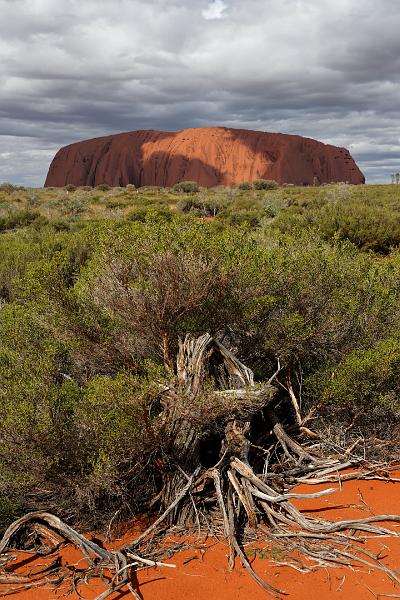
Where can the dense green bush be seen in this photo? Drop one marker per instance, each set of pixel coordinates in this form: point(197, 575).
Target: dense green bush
point(341, 212)
point(245, 185)
point(369, 227)
point(91, 311)
point(189, 258)
point(366, 380)
point(18, 218)
point(187, 187)
point(70, 436)
point(9, 511)
point(202, 205)
point(254, 208)
point(265, 184)
point(74, 205)
point(150, 213)
point(115, 202)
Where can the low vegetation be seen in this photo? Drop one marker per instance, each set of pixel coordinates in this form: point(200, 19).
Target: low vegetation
point(100, 287)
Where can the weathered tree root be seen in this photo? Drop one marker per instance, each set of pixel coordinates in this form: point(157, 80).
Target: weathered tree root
point(120, 565)
point(233, 492)
point(318, 540)
point(260, 502)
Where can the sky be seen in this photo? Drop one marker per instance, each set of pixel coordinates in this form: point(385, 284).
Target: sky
point(76, 69)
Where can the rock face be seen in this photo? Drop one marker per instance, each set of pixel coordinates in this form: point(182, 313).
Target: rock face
point(210, 156)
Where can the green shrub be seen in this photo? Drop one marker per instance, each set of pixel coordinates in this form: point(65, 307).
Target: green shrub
point(10, 509)
point(61, 224)
point(9, 188)
point(150, 213)
point(75, 205)
point(252, 208)
point(338, 213)
point(265, 184)
point(245, 185)
point(18, 218)
point(115, 203)
point(186, 205)
point(236, 218)
point(103, 187)
point(366, 380)
point(70, 187)
point(176, 269)
point(186, 187)
point(370, 228)
point(137, 214)
point(202, 206)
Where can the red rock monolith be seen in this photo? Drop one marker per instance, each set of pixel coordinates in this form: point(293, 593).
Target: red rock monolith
point(210, 156)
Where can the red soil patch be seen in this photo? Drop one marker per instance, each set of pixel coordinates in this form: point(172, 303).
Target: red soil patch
point(204, 575)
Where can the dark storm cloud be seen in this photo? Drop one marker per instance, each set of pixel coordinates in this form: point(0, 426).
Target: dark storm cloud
point(71, 70)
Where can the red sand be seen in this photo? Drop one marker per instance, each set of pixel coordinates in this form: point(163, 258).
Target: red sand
point(204, 575)
point(211, 156)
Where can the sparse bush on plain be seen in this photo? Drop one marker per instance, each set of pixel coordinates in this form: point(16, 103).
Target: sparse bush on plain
point(245, 185)
point(70, 188)
point(115, 202)
point(265, 184)
point(186, 187)
point(9, 188)
point(74, 205)
point(33, 201)
point(151, 189)
point(203, 206)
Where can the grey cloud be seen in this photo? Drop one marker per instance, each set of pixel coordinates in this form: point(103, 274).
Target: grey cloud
point(72, 70)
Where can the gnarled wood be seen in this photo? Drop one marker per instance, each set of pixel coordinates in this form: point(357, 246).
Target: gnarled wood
point(240, 489)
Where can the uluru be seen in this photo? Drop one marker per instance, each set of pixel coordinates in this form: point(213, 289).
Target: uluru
point(210, 156)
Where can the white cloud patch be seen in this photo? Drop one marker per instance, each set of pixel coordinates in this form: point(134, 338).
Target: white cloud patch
point(215, 10)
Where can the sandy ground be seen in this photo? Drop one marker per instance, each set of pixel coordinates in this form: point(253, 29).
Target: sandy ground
point(203, 575)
